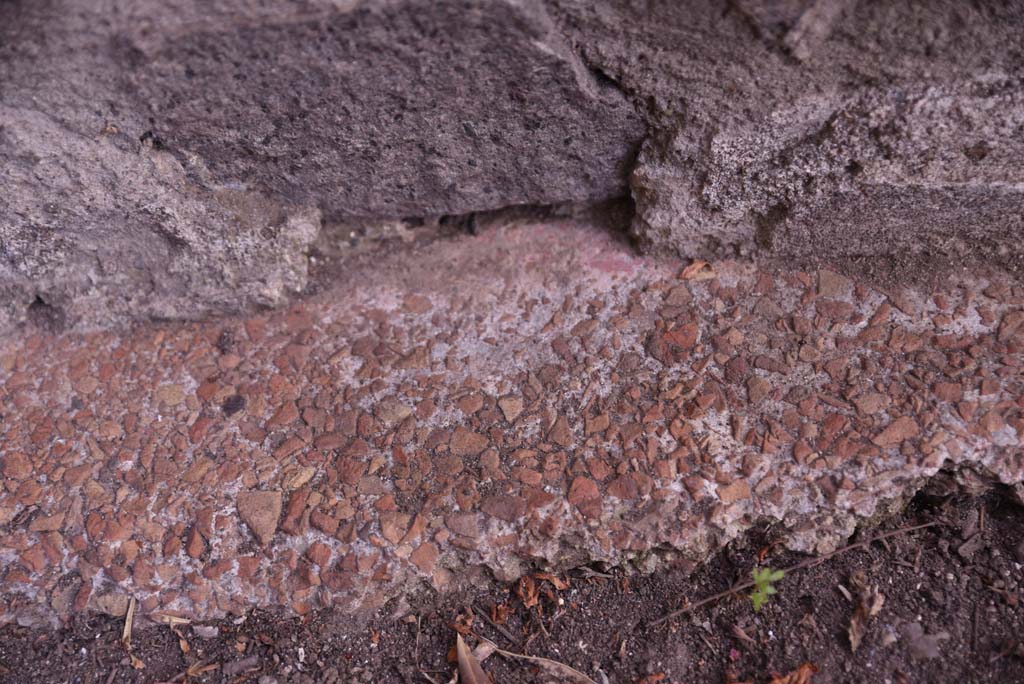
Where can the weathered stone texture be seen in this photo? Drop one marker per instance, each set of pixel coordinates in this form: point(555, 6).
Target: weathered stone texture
point(828, 128)
point(169, 160)
point(176, 159)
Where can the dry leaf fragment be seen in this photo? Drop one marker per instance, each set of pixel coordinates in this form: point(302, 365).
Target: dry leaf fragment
point(869, 604)
point(653, 678)
point(463, 622)
point(470, 671)
point(801, 675)
point(526, 590)
point(499, 613)
point(484, 650)
point(698, 270)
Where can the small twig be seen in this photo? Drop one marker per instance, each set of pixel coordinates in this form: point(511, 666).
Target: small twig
point(529, 640)
point(802, 565)
point(504, 632)
point(540, 621)
point(129, 619)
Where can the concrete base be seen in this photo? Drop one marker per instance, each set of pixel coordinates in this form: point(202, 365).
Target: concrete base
point(534, 396)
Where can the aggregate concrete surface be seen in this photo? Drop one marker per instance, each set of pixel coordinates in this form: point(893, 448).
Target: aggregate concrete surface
point(537, 396)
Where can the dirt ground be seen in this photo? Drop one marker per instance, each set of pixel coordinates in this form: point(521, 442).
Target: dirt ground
point(949, 611)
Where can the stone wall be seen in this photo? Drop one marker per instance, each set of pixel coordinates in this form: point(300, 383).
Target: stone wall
point(176, 159)
point(833, 128)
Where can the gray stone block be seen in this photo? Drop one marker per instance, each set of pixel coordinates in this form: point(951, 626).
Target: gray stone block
point(834, 128)
point(164, 160)
point(174, 159)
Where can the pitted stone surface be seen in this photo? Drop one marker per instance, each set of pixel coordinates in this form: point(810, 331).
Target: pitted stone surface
point(166, 160)
point(523, 397)
point(840, 129)
point(169, 160)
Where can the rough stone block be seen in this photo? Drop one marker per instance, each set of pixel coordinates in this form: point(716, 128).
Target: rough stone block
point(174, 159)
